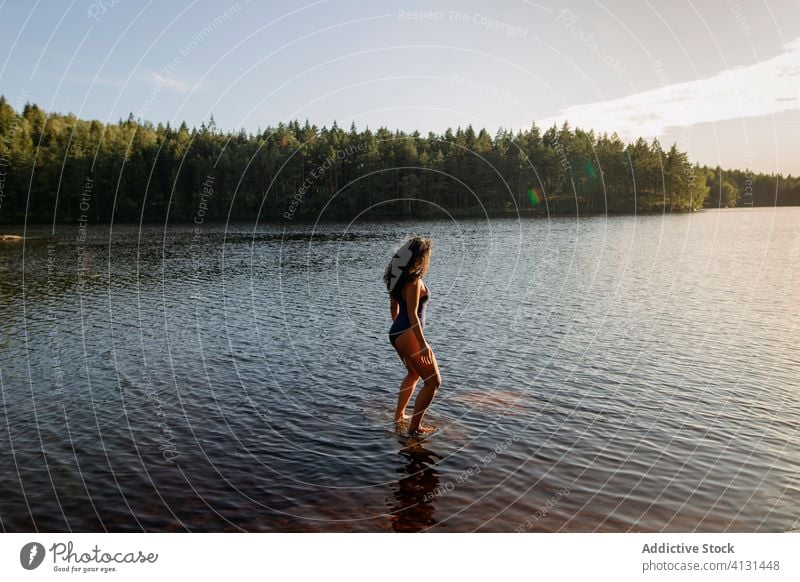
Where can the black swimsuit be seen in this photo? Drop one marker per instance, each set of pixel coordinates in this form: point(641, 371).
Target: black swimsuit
point(402, 324)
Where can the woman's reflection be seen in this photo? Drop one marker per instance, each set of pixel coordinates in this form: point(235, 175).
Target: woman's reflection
point(416, 491)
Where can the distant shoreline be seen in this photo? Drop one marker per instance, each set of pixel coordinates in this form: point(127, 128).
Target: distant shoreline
point(9, 237)
point(297, 171)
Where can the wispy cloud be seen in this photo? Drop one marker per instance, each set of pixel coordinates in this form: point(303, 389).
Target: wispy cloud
point(168, 81)
point(766, 87)
point(109, 82)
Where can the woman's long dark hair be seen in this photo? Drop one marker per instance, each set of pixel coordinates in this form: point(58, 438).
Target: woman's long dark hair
point(410, 262)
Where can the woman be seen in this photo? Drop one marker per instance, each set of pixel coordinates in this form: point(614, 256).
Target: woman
point(408, 299)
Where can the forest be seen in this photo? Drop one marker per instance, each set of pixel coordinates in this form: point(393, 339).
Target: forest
point(56, 168)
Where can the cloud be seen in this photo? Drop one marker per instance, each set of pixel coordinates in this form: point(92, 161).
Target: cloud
point(109, 82)
point(170, 82)
point(764, 88)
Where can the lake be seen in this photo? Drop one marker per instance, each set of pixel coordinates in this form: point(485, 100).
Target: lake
point(599, 374)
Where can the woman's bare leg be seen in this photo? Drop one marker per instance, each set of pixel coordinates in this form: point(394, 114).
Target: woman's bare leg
point(423, 401)
point(409, 349)
point(421, 404)
point(406, 390)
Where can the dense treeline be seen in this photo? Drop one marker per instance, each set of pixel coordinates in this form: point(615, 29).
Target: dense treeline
point(59, 168)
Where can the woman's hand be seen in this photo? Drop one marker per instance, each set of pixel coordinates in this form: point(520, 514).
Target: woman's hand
point(425, 354)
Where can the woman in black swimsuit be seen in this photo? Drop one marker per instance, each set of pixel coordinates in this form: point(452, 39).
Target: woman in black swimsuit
point(408, 300)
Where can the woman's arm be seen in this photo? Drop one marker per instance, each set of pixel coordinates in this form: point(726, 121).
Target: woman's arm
point(394, 308)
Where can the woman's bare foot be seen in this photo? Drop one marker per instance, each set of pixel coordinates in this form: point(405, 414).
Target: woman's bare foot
point(422, 430)
point(399, 419)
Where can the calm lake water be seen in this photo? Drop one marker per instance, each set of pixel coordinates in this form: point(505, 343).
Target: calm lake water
point(600, 374)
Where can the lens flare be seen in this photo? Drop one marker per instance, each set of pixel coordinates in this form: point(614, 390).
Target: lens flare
point(535, 196)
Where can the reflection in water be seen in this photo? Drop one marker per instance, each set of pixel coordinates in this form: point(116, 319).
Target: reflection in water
point(416, 491)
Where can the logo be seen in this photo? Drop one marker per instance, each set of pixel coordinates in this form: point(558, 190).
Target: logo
point(31, 555)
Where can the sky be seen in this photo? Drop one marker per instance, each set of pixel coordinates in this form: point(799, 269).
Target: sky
point(720, 78)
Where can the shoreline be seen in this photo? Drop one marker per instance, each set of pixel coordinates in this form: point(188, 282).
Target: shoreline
point(388, 218)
